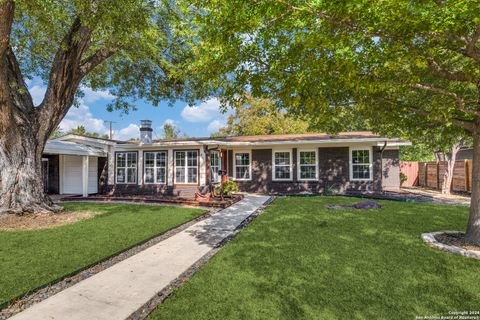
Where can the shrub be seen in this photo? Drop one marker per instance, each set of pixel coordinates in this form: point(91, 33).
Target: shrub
point(229, 187)
point(403, 177)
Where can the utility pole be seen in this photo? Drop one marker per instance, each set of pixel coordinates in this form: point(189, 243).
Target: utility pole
point(110, 125)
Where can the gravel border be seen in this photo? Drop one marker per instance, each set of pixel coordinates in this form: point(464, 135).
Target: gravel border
point(42, 293)
point(430, 239)
point(148, 307)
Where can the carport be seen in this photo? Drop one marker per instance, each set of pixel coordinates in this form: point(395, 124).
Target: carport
point(71, 168)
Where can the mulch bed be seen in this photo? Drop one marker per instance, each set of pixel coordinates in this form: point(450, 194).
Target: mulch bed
point(214, 203)
point(455, 239)
point(13, 222)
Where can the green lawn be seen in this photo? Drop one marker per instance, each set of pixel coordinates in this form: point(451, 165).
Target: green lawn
point(29, 259)
point(299, 260)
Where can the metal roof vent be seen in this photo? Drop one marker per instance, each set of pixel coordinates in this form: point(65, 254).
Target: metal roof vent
point(146, 132)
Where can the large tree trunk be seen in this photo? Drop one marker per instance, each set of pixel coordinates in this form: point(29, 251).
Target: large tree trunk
point(473, 228)
point(21, 185)
point(450, 158)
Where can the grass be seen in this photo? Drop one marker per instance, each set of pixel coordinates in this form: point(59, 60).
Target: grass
point(30, 259)
point(299, 260)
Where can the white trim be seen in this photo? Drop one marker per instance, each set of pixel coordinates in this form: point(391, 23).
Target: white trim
point(316, 164)
point(85, 169)
point(249, 165)
point(155, 167)
point(290, 166)
point(219, 178)
point(350, 162)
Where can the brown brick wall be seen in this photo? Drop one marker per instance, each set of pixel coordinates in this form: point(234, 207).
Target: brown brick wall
point(333, 173)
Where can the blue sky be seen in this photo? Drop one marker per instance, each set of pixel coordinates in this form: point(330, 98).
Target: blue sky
point(198, 121)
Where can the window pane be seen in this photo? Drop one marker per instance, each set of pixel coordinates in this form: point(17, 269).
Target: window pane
point(282, 172)
point(161, 159)
point(161, 175)
point(360, 156)
point(361, 171)
point(149, 175)
point(307, 157)
point(307, 172)
point(192, 175)
point(121, 160)
point(131, 175)
point(180, 175)
point(192, 158)
point(214, 159)
point(282, 158)
point(149, 159)
point(180, 159)
point(242, 172)
point(121, 175)
point(242, 159)
point(131, 160)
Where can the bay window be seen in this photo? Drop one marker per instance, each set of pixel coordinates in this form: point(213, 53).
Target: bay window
point(282, 165)
point(126, 167)
point(241, 165)
point(307, 165)
point(361, 164)
point(186, 167)
point(155, 167)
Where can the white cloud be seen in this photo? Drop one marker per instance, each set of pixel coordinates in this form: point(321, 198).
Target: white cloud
point(215, 125)
point(204, 112)
point(132, 131)
point(92, 96)
point(81, 116)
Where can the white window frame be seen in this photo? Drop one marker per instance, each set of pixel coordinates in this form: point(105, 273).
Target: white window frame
point(219, 178)
point(370, 157)
point(299, 165)
point(274, 166)
point(126, 167)
point(249, 165)
point(186, 167)
point(155, 167)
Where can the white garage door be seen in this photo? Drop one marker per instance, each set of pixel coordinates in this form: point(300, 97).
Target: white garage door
point(72, 175)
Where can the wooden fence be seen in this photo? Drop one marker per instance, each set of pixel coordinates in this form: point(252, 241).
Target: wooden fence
point(430, 175)
point(410, 169)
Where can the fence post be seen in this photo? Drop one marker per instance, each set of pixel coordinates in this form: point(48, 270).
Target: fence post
point(438, 175)
point(467, 175)
point(425, 183)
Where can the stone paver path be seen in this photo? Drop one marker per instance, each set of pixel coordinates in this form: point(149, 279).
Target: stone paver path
point(120, 290)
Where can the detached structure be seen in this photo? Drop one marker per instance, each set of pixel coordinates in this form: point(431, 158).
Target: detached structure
point(282, 164)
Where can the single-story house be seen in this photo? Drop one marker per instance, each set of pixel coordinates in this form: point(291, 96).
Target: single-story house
point(283, 164)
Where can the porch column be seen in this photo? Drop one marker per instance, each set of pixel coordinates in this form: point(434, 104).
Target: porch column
point(85, 176)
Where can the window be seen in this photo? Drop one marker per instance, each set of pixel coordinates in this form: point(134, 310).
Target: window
point(126, 163)
point(215, 165)
point(307, 165)
point(242, 165)
point(155, 167)
point(186, 167)
point(282, 165)
point(361, 164)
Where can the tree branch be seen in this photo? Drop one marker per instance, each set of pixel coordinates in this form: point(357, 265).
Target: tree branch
point(443, 73)
point(65, 77)
point(458, 100)
point(99, 56)
point(471, 47)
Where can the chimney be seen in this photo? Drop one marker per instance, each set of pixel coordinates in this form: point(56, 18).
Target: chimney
point(146, 131)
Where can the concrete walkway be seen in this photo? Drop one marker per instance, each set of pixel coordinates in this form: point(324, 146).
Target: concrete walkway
point(120, 290)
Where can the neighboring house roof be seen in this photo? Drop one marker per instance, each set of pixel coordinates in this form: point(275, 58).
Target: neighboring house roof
point(72, 148)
